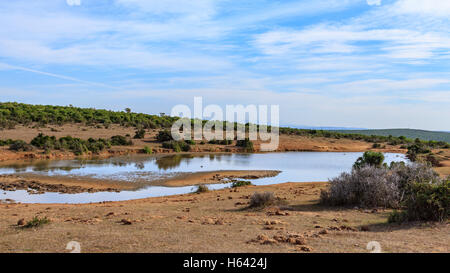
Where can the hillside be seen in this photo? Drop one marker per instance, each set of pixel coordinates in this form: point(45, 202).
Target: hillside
point(409, 133)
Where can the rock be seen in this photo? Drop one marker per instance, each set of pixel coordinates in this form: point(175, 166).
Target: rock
point(323, 232)
point(126, 222)
point(110, 214)
point(306, 248)
point(21, 222)
point(365, 228)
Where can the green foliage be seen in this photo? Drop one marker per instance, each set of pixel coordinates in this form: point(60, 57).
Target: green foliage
point(370, 158)
point(76, 145)
point(389, 136)
point(148, 150)
point(20, 146)
point(406, 133)
point(202, 188)
point(415, 149)
point(36, 222)
point(163, 136)
point(236, 184)
point(120, 141)
point(190, 141)
point(426, 201)
point(140, 134)
point(177, 146)
point(12, 113)
point(247, 144)
point(6, 142)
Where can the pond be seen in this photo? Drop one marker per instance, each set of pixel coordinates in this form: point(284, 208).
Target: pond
point(294, 167)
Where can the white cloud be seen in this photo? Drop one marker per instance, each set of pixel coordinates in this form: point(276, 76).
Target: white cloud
point(373, 2)
point(73, 2)
point(423, 7)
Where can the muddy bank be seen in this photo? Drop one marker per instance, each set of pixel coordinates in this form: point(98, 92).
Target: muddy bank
point(38, 184)
point(35, 184)
point(214, 177)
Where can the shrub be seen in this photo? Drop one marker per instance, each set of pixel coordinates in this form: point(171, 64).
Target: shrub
point(370, 158)
point(426, 202)
point(236, 184)
point(416, 149)
point(202, 188)
point(36, 222)
point(177, 146)
point(163, 136)
point(190, 141)
point(139, 134)
point(247, 144)
point(262, 199)
point(376, 145)
point(148, 150)
point(20, 146)
point(367, 186)
point(6, 142)
point(120, 141)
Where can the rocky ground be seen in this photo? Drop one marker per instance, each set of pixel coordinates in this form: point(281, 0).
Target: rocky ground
point(215, 221)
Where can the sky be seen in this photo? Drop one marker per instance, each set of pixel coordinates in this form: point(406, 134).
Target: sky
point(345, 63)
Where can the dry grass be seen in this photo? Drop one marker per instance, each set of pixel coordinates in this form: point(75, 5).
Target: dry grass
point(215, 221)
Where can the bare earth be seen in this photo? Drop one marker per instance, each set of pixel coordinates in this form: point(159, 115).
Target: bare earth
point(216, 221)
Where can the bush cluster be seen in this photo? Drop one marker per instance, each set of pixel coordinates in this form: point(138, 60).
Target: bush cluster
point(12, 113)
point(177, 146)
point(416, 189)
point(76, 145)
point(247, 144)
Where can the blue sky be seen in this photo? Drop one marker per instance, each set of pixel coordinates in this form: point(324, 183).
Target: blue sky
point(351, 63)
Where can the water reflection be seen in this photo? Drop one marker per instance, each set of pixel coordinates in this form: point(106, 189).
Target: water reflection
point(294, 167)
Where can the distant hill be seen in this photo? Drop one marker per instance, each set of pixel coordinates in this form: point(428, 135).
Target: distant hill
point(409, 133)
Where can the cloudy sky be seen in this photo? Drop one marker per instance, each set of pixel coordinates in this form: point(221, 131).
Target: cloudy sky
point(352, 63)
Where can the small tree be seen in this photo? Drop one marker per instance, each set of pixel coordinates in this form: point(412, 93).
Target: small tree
point(139, 134)
point(128, 110)
point(164, 135)
point(370, 158)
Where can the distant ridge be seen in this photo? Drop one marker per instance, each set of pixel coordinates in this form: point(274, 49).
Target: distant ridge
point(409, 133)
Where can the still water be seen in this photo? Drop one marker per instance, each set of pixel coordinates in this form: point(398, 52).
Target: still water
point(294, 167)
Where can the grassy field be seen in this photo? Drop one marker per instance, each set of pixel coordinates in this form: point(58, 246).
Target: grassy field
point(409, 133)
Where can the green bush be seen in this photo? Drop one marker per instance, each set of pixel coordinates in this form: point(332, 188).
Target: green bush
point(177, 146)
point(20, 146)
point(202, 188)
point(36, 222)
point(139, 134)
point(6, 142)
point(427, 201)
point(369, 158)
point(236, 184)
point(148, 150)
point(247, 144)
point(164, 136)
point(120, 141)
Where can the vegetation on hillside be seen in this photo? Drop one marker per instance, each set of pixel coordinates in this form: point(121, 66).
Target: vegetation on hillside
point(12, 113)
point(409, 133)
point(76, 145)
